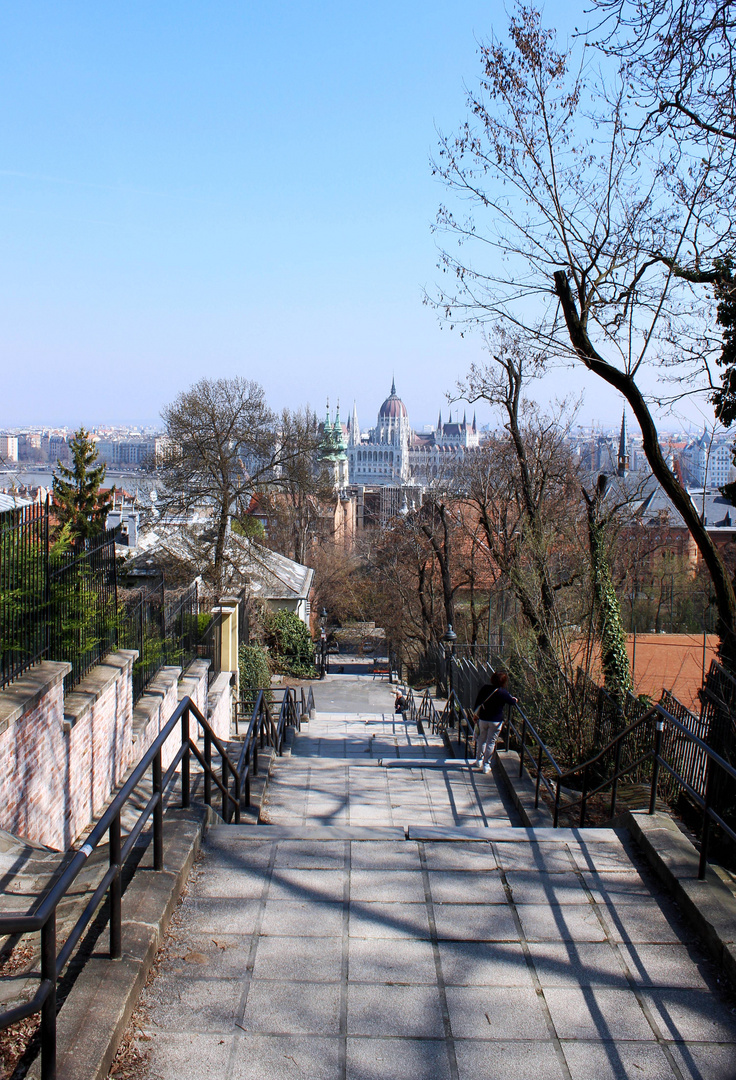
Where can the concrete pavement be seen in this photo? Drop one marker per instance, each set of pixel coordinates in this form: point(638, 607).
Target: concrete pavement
point(391, 923)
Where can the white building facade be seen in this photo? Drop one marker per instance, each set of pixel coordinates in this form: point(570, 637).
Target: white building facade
point(392, 455)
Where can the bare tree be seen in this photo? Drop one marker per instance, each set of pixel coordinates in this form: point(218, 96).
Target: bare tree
point(596, 239)
point(522, 485)
point(295, 501)
point(222, 445)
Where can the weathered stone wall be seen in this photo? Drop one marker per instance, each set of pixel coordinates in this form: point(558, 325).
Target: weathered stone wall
point(60, 759)
point(153, 711)
point(220, 705)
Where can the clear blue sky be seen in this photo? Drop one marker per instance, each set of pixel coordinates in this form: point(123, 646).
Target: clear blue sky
point(192, 189)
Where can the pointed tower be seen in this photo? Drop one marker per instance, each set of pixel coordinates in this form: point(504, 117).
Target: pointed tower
point(623, 447)
point(340, 452)
point(439, 422)
point(354, 427)
point(475, 426)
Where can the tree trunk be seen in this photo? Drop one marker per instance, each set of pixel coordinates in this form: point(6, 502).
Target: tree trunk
point(442, 555)
point(220, 549)
point(678, 496)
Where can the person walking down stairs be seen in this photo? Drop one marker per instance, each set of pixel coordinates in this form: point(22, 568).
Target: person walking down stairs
point(488, 712)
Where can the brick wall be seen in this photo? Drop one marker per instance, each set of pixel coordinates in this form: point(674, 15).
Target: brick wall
point(220, 706)
point(153, 711)
point(60, 759)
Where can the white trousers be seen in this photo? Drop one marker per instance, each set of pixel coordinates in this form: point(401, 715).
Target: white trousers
point(488, 734)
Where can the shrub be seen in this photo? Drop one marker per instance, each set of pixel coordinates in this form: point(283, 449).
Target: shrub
point(290, 644)
point(255, 673)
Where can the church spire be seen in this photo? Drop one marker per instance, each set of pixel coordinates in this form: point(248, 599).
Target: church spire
point(393, 386)
point(354, 426)
point(439, 421)
point(475, 428)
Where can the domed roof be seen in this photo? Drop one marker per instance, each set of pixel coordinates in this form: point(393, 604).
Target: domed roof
point(393, 407)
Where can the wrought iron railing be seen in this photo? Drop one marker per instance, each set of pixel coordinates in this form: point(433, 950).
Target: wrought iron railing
point(57, 603)
point(24, 596)
point(166, 632)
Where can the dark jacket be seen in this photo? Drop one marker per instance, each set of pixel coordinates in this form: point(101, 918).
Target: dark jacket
point(489, 703)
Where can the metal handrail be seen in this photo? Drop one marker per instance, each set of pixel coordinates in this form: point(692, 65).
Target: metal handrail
point(44, 916)
point(658, 715)
point(262, 729)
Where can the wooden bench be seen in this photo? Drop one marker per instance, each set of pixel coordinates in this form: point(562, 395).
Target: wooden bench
point(381, 667)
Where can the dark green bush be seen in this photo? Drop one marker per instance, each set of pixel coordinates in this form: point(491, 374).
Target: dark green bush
point(290, 645)
point(255, 673)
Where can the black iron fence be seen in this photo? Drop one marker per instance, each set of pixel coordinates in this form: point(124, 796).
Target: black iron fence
point(56, 602)
point(82, 611)
point(64, 603)
point(24, 553)
point(171, 632)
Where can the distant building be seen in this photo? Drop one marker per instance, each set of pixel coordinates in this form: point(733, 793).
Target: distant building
point(58, 449)
point(132, 453)
point(8, 447)
point(708, 462)
point(393, 455)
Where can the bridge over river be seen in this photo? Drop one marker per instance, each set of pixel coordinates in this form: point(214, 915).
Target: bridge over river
point(392, 919)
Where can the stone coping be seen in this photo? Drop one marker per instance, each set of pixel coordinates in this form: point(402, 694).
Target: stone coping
point(150, 700)
point(27, 691)
point(219, 686)
point(522, 790)
point(708, 905)
point(95, 683)
point(193, 675)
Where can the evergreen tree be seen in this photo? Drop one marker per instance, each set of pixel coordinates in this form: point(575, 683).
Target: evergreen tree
point(78, 504)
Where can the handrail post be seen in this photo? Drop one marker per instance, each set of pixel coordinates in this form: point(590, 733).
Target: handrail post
point(584, 799)
point(116, 892)
point(225, 789)
point(616, 767)
point(523, 745)
point(238, 796)
point(705, 833)
point(557, 805)
point(185, 761)
point(48, 1010)
point(658, 729)
point(158, 814)
point(208, 769)
point(508, 727)
point(539, 778)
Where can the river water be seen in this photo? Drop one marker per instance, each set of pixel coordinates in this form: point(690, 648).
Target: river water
point(37, 476)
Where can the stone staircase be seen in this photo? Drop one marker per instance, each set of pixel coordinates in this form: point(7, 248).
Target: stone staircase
point(390, 920)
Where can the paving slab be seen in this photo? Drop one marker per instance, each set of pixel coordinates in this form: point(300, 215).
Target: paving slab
point(501, 1060)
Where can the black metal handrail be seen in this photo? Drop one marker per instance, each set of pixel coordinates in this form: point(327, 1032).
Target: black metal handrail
point(656, 715)
point(43, 918)
point(307, 701)
point(263, 728)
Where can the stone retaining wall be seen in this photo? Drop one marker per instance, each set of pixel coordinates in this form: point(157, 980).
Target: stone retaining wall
point(60, 759)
